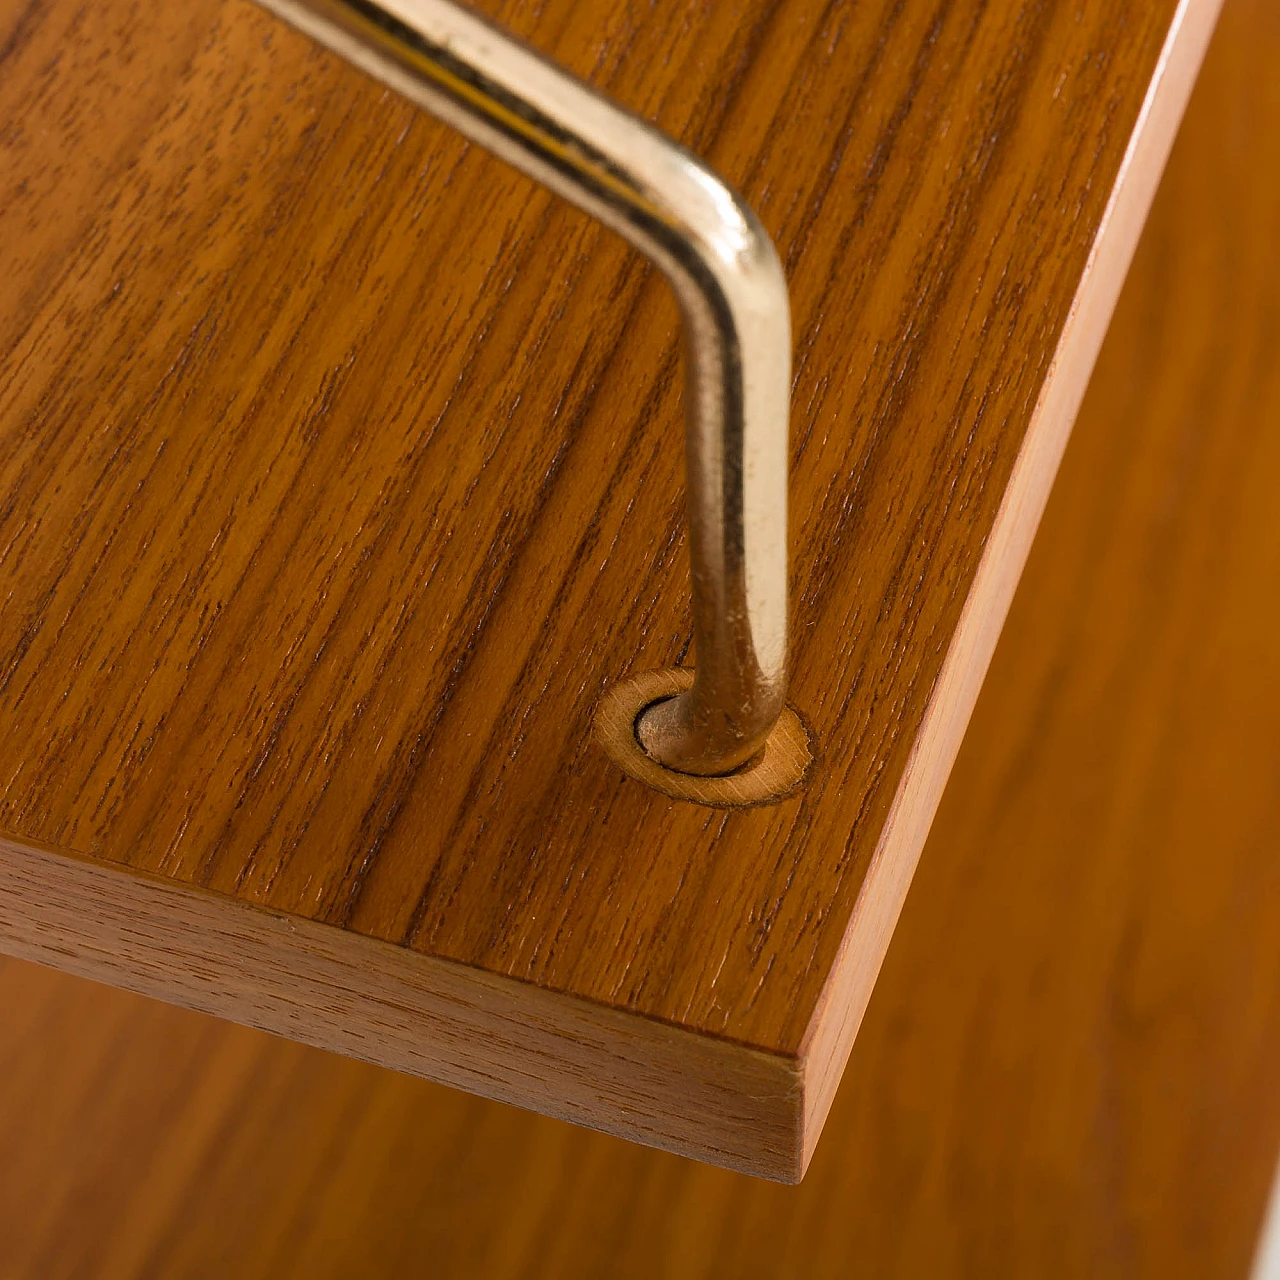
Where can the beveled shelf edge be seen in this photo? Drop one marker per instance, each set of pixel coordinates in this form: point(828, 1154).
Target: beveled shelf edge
point(700, 1096)
point(829, 1038)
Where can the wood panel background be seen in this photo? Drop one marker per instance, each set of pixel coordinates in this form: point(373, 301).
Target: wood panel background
point(341, 476)
point(1068, 1067)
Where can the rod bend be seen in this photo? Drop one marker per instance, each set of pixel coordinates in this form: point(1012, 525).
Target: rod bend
point(733, 301)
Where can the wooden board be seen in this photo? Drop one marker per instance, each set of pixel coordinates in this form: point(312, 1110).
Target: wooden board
point(1068, 1066)
point(341, 478)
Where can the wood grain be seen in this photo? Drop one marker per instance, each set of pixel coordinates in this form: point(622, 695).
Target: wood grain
point(1068, 1066)
point(341, 479)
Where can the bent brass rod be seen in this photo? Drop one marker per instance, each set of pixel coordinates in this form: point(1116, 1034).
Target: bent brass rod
point(733, 302)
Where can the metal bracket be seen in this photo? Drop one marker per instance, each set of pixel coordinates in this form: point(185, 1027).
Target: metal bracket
point(733, 299)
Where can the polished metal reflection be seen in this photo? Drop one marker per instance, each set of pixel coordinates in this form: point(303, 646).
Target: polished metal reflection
point(733, 300)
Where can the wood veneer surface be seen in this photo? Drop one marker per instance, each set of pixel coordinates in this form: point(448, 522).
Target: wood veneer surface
point(1068, 1066)
point(341, 475)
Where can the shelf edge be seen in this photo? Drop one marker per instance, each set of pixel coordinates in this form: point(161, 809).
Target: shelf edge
point(829, 1037)
point(695, 1095)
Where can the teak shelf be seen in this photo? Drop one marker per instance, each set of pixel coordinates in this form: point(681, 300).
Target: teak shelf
point(341, 479)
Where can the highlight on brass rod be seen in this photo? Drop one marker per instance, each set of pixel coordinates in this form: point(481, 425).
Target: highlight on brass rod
point(733, 302)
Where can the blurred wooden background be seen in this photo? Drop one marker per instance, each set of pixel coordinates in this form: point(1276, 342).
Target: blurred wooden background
point(1070, 1064)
